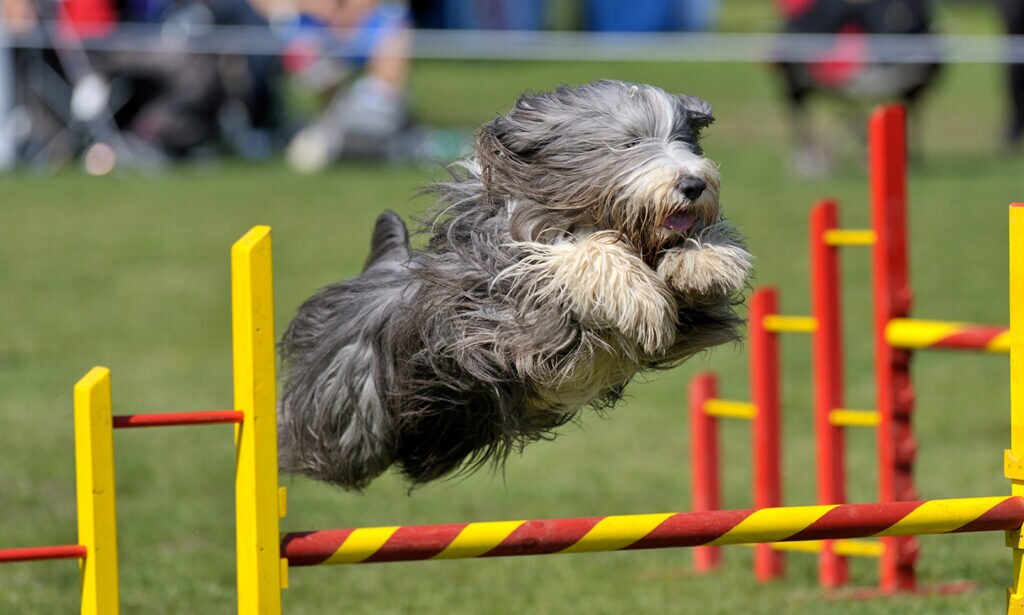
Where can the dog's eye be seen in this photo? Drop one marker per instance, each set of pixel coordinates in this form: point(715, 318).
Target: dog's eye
point(632, 143)
point(688, 135)
point(691, 139)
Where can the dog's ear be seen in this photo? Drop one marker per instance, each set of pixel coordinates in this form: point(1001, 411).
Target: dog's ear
point(698, 111)
point(506, 145)
point(494, 139)
point(524, 129)
point(500, 154)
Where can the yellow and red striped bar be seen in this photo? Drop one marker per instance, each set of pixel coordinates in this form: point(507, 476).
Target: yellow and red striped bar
point(655, 531)
point(915, 334)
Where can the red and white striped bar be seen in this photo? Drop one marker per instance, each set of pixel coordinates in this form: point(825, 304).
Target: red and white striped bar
point(32, 554)
point(652, 531)
point(208, 417)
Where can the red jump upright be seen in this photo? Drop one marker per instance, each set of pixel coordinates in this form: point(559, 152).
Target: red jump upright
point(892, 299)
point(828, 378)
point(764, 393)
point(763, 413)
point(705, 486)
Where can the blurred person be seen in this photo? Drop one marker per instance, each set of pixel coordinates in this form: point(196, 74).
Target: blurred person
point(183, 103)
point(167, 103)
point(43, 120)
point(354, 54)
point(848, 70)
point(1012, 12)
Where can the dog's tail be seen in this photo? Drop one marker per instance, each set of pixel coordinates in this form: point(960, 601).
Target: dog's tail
point(390, 243)
point(334, 420)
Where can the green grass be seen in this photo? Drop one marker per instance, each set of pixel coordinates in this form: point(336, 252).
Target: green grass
point(132, 273)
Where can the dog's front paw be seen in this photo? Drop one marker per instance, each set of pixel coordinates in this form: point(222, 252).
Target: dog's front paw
point(645, 316)
point(605, 285)
point(702, 270)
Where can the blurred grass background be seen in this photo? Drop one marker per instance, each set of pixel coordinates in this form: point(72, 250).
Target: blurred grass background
point(132, 272)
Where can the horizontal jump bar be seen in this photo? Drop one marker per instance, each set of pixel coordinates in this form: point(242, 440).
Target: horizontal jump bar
point(778, 323)
point(178, 418)
point(730, 409)
point(914, 333)
point(656, 531)
point(849, 237)
point(843, 417)
point(845, 548)
point(30, 554)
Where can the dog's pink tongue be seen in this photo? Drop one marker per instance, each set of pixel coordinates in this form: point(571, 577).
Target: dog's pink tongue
point(679, 223)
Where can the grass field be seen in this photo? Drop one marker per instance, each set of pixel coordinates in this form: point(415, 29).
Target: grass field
point(132, 273)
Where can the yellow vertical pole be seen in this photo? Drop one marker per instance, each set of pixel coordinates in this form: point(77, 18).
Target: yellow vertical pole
point(257, 503)
point(1014, 458)
point(94, 485)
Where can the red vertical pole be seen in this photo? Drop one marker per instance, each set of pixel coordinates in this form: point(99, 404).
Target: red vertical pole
point(828, 379)
point(892, 299)
point(764, 393)
point(705, 489)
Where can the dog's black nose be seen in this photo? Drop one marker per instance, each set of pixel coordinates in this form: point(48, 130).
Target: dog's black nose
point(691, 187)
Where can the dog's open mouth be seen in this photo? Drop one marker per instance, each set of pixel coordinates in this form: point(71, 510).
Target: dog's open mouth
point(679, 222)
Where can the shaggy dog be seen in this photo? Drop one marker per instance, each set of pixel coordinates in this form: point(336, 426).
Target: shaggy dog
point(582, 243)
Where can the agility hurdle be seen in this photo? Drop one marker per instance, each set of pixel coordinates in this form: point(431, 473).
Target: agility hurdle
point(835, 522)
point(258, 502)
point(264, 557)
point(895, 334)
point(765, 325)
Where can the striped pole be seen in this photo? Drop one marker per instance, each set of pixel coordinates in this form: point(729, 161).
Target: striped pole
point(917, 334)
point(653, 531)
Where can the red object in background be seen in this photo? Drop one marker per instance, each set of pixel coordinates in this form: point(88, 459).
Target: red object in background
point(793, 8)
point(299, 55)
point(845, 59)
point(86, 18)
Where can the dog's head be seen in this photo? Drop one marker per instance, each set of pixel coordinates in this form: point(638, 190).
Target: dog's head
point(606, 155)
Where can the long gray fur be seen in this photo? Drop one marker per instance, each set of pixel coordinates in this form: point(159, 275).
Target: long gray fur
point(450, 357)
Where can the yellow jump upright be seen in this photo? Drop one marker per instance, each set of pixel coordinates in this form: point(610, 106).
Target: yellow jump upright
point(94, 484)
point(1014, 457)
point(258, 503)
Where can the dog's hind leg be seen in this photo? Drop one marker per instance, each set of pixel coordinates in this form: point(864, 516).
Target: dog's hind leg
point(334, 422)
point(605, 284)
